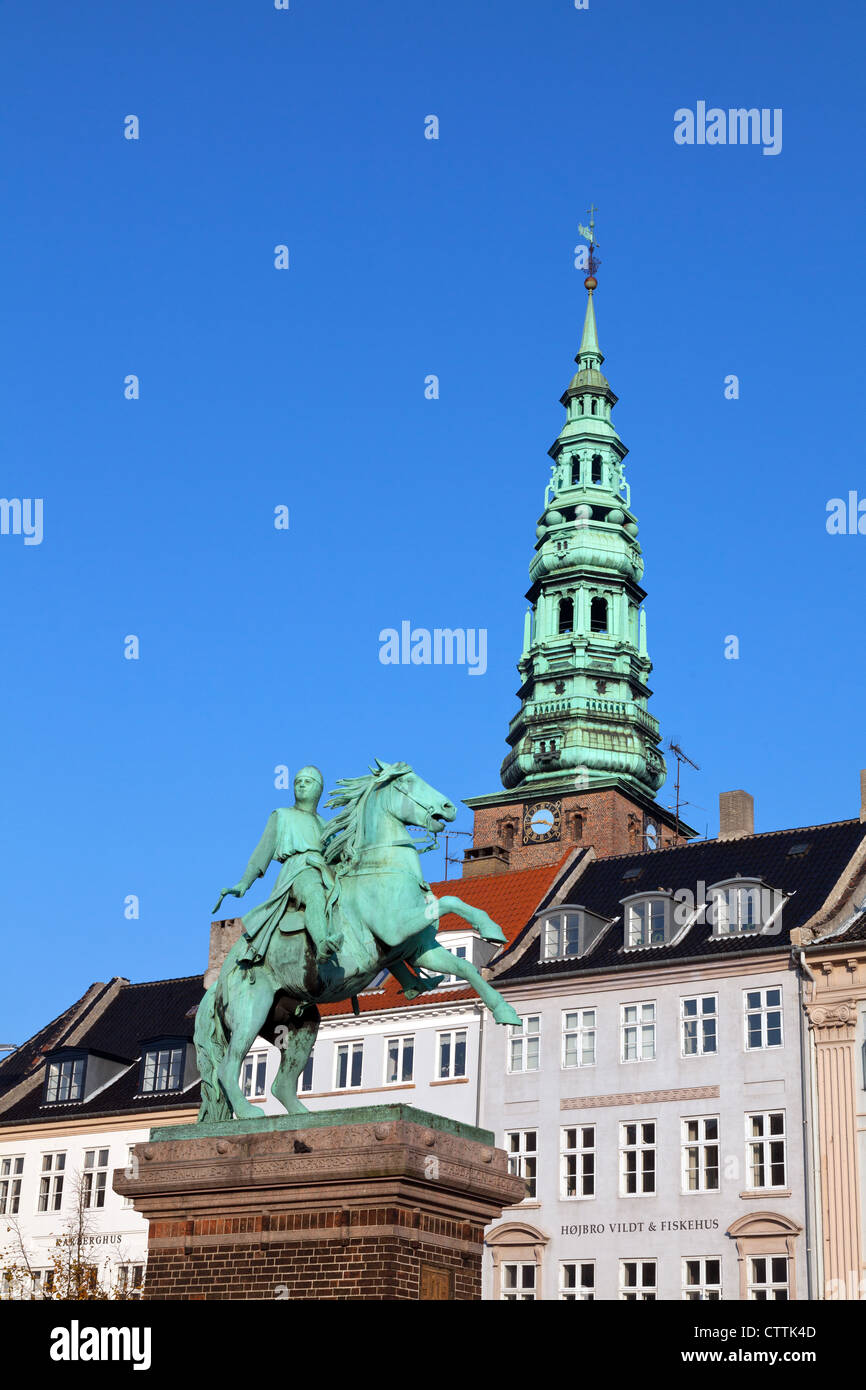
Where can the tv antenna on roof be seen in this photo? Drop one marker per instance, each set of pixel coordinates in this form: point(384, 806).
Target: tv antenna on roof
point(681, 757)
point(452, 859)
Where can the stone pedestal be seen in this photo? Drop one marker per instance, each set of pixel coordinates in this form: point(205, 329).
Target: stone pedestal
point(383, 1202)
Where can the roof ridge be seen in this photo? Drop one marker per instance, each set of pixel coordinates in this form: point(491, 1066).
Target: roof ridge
point(714, 839)
point(171, 980)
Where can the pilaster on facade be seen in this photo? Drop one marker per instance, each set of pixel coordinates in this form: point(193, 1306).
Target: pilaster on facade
point(833, 1011)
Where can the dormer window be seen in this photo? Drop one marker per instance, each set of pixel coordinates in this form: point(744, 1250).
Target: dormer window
point(561, 935)
point(162, 1067)
point(647, 922)
point(740, 907)
point(65, 1079)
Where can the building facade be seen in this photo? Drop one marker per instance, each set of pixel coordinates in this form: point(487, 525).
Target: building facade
point(74, 1099)
point(660, 1097)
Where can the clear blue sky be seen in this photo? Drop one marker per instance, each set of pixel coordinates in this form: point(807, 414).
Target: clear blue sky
point(306, 388)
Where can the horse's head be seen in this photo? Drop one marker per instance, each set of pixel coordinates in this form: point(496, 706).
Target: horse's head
point(391, 790)
point(412, 800)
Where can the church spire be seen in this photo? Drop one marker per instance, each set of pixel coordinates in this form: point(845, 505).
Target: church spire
point(589, 352)
point(584, 664)
point(584, 763)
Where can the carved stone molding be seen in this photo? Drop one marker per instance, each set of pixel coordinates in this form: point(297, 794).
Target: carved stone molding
point(640, 1097)
point(837, 1021)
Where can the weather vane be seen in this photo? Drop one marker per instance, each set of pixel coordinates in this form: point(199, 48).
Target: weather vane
point(593, 262)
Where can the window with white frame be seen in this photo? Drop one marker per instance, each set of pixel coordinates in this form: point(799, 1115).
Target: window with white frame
point(399, 1060)
point(11, 1169)
point(451, 1054)
point(521, 1145)
point(517, 1282)
point(94, 1177)
point(701, 1154)
point(702, 1280)
point(524, 1053)
point(735, 908)
point(577, 1162)
point(638, 1031)
point(51, 1182)
point(577, 1281)
point(763, 1011)
point(462, 953)
point(348, 1063)
point(765, 1150)
point(163, 1068)
point(42, 1281)
point(578, 1037)
point(305, 1081)
point(699, 1025)
point(637, 1158)
point(768, 1278)
point(130, 1278)
point(561, 935)
point(637, 1281)
point(253, 1075)
point(647, 922)
point(65, 1079)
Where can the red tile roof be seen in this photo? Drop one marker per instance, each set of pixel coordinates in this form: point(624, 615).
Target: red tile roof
point(510, 899)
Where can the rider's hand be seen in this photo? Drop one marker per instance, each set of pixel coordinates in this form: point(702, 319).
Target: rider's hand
point(236, 892)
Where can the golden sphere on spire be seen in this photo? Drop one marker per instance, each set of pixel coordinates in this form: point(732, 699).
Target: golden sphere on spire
point(590, 283)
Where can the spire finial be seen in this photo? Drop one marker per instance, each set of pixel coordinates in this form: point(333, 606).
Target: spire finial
point(593, 262)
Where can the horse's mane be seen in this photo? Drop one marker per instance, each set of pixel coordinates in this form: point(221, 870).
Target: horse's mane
point(343, 833)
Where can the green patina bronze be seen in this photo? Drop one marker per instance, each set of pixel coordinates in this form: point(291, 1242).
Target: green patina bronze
point(322, 1119)
point(350, 900)
point(584, 667)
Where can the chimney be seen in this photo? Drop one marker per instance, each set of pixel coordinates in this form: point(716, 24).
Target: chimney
point(485, 859)
point(223, 936)
point(863, 793)
point(736, 815)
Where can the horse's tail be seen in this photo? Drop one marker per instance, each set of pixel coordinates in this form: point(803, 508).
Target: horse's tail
point(211, 1046)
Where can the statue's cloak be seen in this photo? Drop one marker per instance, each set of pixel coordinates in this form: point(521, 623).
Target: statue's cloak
point(290, 837)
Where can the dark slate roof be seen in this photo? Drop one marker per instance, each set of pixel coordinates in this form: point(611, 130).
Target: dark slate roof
point(18, 1064)
point(603, 885)
point(138, 1013)
point(159, 1008)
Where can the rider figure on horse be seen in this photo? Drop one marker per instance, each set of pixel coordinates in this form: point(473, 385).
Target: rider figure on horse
point(293, 835)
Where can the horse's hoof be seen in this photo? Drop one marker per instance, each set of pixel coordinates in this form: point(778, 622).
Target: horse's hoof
point(504, 1013)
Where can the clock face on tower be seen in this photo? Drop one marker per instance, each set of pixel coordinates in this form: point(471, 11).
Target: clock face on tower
point(541, 821)
point(651, 835)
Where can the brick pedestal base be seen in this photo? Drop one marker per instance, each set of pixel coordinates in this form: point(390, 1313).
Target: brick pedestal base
point(377, 1203)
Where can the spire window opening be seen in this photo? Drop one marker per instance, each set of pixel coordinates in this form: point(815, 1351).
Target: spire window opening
point(575, 471)
point(596, 469)
point(598, 615)
point(566, 615)
point(594, 406)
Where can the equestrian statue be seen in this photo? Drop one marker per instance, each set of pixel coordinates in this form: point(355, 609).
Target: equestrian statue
point(350, 901)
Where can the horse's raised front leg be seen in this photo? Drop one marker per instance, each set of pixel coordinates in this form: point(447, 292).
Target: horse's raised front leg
point(475, 916)
point(249, 1007)
point(439, 958)
point(295, 1042)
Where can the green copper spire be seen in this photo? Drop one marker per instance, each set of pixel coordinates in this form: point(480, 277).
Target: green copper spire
point(583, 717)
point(589, 353)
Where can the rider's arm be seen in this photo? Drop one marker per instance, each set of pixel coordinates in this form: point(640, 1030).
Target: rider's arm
point(262, 854)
